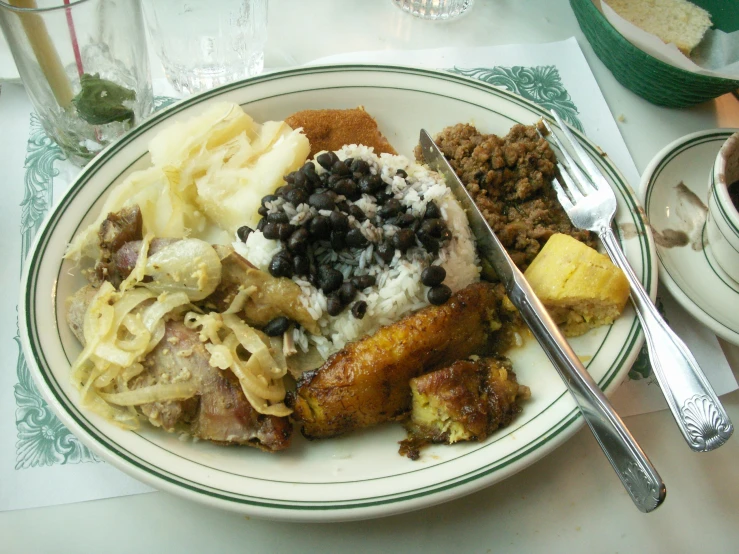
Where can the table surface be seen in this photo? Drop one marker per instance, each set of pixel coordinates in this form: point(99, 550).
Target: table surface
point(569, 500)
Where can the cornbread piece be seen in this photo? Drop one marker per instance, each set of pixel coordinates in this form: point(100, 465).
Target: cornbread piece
point(580, 287)
point(367, 382)
point(674, 21)
point(466, 401)
point(332, 129)
point(510, 179)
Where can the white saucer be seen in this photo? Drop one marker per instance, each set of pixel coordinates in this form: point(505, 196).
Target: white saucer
point(690, 272)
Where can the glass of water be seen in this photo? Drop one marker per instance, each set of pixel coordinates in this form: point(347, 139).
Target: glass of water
point(84, 66)
point(205, 43)
point(440, 10)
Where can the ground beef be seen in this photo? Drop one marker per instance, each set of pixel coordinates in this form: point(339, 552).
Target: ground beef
point(511, 181)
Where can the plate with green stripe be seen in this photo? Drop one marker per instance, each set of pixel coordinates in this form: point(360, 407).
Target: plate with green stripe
point(674, 190)
point(360, 475)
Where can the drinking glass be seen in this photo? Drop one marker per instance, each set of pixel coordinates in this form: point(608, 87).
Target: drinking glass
point(441, 10)
point(203, 44)
point(84, 66)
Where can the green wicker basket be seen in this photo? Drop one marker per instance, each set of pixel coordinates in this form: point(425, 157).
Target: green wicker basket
point(650, 78)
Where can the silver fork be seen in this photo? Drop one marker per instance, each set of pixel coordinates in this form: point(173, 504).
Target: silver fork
point(591, 204)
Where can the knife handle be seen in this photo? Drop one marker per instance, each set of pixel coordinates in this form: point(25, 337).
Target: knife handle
point(631, 464)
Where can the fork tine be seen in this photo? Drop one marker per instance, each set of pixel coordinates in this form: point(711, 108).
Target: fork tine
point(570, 184)
point(580, 180)
point(562, 195)
point(596, 177)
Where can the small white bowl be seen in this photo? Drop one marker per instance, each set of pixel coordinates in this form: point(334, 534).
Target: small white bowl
point(722, 224)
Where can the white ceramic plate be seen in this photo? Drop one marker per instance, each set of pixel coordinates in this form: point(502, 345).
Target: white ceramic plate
point(690, 272)
point(352, 477)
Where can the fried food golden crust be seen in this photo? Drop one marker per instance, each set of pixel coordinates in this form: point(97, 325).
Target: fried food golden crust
point(367, 382)
point(466, 401)
point(332, 129)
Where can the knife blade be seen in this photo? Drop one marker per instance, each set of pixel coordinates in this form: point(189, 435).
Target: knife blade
point(638, 475)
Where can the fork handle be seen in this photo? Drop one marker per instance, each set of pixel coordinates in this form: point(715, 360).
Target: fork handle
point(698, 412)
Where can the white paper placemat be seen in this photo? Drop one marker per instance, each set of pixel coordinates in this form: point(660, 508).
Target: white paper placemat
point(41, 463)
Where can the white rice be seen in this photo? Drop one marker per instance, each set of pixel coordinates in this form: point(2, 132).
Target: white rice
point(398, 290)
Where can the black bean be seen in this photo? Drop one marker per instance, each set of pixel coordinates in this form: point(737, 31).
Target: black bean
point(339, 222)
point(320, 227)
point(281, 265)
point(309, 170)
point(405, 220)
point(347, 292)
point(277, 326)
point(429, 243)
point(446, 234)
point(329, 279)
point(370, 183)
point(278, 217)
point(382, 196)
point(262, 211)
point(357, 213)
point(301, 265)
point(364, 281)
point(283, 190)
point(297, 196)
point(433, 275)
point(357, 175)
point(243, 232)
point(391, 208)
point(284, 230)
point(439, 294)
point(432, 227)
point(359, 309)
point(401, 173)
point(334, 305)
point(348, 188)
point(432, 211)
point(360, 166)
point(300, 179)
point(386, 252)
point(343, 206)
point(298, 241)
point(348, 162)
point(321, 201)
point(262, 224)
point(269, 198)
point(404, 239)
point(340, 168)
point(324, 158)
point(290, 177)
point(271, 231)
point(337, 240)
point(333, 180)
point(355, 239)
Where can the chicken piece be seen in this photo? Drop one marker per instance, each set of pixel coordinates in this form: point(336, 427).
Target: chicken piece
point(274, 296)
point(219, 412)
point(466, 401)
point(117, 229)
point(367, 382)
point(332, 129)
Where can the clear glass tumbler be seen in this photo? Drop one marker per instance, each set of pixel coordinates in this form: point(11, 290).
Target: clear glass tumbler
point(440, 10)
point(203, 44)
point(85, 67)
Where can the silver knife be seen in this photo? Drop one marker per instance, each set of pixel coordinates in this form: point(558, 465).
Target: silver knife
point(632, 466)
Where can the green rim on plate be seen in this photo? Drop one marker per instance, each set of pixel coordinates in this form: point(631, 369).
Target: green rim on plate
point(471, 469)
point(650, 78)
